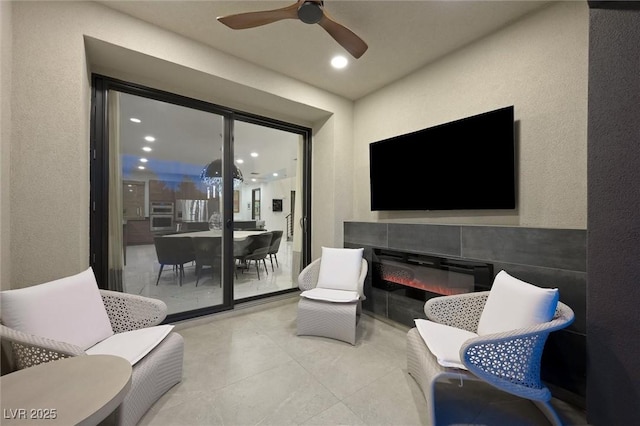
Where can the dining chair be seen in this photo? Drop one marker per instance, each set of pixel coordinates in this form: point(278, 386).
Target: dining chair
point(258, 250)
point(208, 252)
point(175, 251)
point(274, 247)
point(240, 250)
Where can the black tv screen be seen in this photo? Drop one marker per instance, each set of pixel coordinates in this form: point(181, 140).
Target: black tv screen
point(462, 165)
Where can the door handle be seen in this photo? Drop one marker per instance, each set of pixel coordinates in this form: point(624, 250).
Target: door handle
point(229, 223)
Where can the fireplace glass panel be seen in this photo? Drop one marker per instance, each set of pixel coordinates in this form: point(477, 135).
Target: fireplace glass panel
point(422, 277)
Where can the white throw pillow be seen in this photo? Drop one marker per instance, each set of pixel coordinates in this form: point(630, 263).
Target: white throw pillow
point(331, 295)
point(68, 310)
point(444, 341)
point(132, 345)
point(340, 268)
point(513, 304)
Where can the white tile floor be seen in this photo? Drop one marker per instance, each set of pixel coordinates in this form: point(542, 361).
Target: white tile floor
point(248, 367)
point(141, 272)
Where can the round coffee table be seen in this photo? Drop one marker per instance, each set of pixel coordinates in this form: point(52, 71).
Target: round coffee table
point(81, 390)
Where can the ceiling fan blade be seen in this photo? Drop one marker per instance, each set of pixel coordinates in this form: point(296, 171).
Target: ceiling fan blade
point(242, 21)
point(344, 36)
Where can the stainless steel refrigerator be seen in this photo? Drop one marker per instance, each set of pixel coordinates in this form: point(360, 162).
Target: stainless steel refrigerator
point(193, 210)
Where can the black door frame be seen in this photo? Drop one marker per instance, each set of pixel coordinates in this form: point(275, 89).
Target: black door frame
point(99, 182)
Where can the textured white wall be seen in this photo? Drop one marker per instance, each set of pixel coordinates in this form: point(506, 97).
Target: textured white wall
point(538, 64)
point(281, 189)
point(49, 146)
point(50, 123)
point(332, 178)
point(6, 57)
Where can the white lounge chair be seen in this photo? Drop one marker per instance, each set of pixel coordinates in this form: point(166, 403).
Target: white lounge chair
point(332, 294)
point(509, 360)
point(72, 317)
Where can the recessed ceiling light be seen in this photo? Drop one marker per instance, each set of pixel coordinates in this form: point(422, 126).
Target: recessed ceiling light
point(254, 154)
point(239, 161)
point(141, 167)
point(149, 138)
point(275, 174)
point(339, 62)
point(143, 160)
point(147, 149)
point(135, 120)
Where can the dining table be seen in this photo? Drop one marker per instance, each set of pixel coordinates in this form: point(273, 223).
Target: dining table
point(215, 233)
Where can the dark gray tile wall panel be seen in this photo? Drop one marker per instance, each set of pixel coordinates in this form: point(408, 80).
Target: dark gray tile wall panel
point(404, 310)
point(421, 238)
point(364, 233)
point(564, 364)
point(376, 302)
point(544, 257)
point(367, 255)
point(551, 248)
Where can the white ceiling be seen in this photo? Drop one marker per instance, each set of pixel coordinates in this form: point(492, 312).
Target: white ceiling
point(186, 140)
point(403, 36)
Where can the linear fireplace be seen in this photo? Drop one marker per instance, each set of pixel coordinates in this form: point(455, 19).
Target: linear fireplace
point(547, 257)
point(402, 282)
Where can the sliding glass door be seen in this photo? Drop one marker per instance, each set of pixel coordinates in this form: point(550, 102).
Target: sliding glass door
point(266, 241)
point(185, 195)
point(158, 152)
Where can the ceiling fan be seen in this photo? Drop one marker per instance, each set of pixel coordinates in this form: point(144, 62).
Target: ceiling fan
point(309, 12)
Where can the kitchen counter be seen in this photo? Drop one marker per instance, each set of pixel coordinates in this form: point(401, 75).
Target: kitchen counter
point(237, 235)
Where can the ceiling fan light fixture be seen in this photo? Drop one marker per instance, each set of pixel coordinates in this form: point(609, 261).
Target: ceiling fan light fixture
point(310, 12)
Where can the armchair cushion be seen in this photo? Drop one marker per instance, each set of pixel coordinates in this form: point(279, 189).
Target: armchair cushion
point(513, 304)
point(444, 341)
point(340, 268)
point(68, 310)
point(330, 295)
point(132, 345)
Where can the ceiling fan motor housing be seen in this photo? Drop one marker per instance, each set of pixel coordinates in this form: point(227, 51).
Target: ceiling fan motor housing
point(310, 12)
point(307, 11)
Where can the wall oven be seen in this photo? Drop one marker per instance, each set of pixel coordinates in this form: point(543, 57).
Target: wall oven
point(161, 216)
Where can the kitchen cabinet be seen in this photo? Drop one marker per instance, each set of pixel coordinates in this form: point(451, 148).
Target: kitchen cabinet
point(138, 232)
point(188, 190)
point(158, 191)
point(133, 200)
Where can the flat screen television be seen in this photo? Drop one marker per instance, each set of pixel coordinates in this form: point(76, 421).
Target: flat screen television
point(466, 164)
